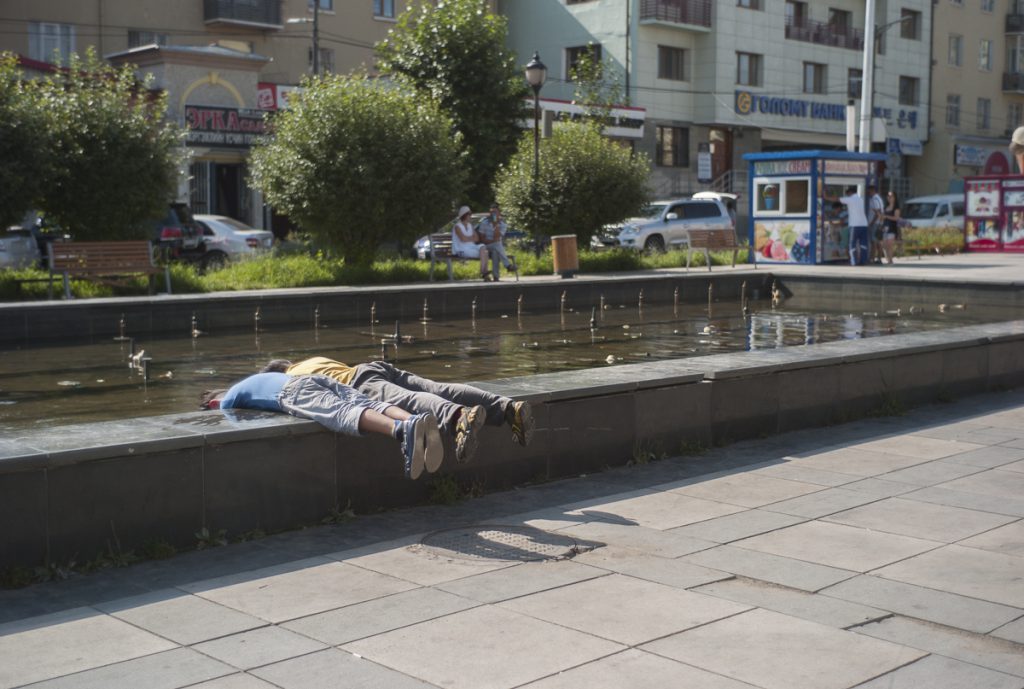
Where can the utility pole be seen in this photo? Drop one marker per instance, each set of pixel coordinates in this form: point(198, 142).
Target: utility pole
point(316, 38)
point(867, 81)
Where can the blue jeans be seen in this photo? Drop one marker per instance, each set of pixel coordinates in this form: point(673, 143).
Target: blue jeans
point(858, 245)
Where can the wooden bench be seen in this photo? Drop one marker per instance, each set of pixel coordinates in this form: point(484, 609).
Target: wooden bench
point(711, 240)
point(441, 250)
point(104, 262)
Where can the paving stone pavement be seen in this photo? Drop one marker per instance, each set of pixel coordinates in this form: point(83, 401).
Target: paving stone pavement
point(882, 554)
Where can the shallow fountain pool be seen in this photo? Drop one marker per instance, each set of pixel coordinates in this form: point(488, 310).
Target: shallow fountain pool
point(57, 385)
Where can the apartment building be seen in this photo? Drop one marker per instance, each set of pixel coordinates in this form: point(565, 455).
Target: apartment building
point(977, 92)
point(221, 62)
point(719, 78)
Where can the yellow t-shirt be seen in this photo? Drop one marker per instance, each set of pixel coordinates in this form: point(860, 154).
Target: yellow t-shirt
point(325, 367)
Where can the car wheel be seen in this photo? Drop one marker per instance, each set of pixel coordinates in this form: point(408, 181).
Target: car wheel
point(654, 244)
point(213, 260)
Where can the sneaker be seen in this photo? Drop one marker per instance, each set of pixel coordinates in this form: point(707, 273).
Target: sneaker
point(434, 453)
point(467, 432)
point(519, 416)
point(414, 444)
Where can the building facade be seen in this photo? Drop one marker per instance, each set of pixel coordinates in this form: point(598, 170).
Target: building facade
point(720, 78)
point(977, 95)
point(220, 61)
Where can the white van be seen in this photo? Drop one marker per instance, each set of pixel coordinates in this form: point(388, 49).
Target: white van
point(942, 210)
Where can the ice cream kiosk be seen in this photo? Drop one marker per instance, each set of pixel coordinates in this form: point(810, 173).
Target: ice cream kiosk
point(790, 222)
point(994, 213)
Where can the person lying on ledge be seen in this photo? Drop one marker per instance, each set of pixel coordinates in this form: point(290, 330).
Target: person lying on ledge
point(462, 409)
point(338, 407)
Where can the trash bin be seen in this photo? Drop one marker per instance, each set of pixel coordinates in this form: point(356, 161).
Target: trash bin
point(563, 252)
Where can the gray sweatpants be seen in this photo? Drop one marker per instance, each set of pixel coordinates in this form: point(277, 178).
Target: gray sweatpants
point(381, 381)
point(328, 402)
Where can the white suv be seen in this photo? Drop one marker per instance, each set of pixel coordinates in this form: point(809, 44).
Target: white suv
point(664, 224)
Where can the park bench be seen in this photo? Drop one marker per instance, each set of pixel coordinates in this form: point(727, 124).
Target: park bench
point(104, 262)
point(711, 240)
point(441, 250)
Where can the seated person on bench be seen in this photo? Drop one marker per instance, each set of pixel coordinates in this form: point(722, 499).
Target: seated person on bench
point(462, 409)
point(492, 231)
point(340, 408)
point(464, 242)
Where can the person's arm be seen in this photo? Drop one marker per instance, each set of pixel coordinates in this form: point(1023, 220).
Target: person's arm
point(462, 234)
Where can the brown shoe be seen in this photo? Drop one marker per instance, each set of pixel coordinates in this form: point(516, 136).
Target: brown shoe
point(467, 432)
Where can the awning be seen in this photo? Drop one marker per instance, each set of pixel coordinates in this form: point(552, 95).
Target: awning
point(792, 136)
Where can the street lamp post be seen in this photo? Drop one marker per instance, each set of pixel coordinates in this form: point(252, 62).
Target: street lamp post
point(536, 75)
point(315, 21)
point(867, 92)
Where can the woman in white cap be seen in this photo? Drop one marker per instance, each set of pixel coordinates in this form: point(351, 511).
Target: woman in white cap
point(1017, 148)
point(464, 242)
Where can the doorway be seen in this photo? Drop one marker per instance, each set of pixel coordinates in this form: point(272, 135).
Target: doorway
point(721, 152)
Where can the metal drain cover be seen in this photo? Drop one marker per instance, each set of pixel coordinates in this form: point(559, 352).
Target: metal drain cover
point(499, 542)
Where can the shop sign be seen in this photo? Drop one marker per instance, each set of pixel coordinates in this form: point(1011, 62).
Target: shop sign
point(225, 127)
point(622, 121)
point(973, 156)
point(748, 103)
point(703, 162)
point(983, 198)
point(847, 167)
point(782, 167)
point(274, 96)
point(907, 147)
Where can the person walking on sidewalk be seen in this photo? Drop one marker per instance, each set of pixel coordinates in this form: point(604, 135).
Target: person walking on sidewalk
point(461, 409)
point(339, 408)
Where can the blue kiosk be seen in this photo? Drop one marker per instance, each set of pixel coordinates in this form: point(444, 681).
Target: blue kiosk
point(789, 221)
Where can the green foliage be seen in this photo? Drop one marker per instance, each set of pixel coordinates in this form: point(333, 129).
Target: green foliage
point(444, 490)
point(356, 162)
point(597, 86)
point(932, 240)
point(585, 181)
point(115, 156)
point(23, 147)
point(455, 52)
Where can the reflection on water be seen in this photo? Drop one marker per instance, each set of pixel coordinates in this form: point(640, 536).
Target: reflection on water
point(61, 385)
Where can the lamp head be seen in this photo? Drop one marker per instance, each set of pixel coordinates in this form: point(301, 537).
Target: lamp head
point(536, 73)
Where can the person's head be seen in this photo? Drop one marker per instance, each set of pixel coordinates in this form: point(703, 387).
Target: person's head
point(495, 210)
point(276, 366)
point(851, 190)
point(464, 213)
point(210, 399)
point(872, 190)
point(892, 199)
point(1017, 147)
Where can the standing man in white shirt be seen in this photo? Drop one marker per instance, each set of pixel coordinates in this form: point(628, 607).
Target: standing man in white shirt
point(858, 220)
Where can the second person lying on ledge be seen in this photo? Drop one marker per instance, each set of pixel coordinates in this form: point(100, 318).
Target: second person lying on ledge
point(462, 410)
point(464, 241)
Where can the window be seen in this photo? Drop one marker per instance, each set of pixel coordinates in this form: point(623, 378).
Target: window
point(573, 55)
point(749, 4)
point(1014, 116)
point(1015, 55)
point(796, 13)
point(984, 113)
point(953, 110)
point(671, 63)
point(909, 90)
point(138, 37)
point(988, 5)
point(958, 3)
point(854, 79)
point(748, 69)
point(324, 4)
point(326, 59)
point(840, 21)
point(673, 147)
point(956, 49)
point(45, 39)
point(814, 77)
point(985, 55)
point(910, 25)
point(384, 8)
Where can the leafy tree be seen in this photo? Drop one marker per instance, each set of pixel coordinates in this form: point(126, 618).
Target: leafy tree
point(116, 158)
point(597, 86)
point(455, 51)
point(585, 181)
point(23, 160)
point(357, 162)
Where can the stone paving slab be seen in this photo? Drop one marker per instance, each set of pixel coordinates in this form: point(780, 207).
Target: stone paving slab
point(668, 543)
point(777, 651)
point(734, 527)
point(746, 490)
point(785, 571)
point(661, 510)
point(635, 669)
point(494, 648)
point(1014, 631)
point(662, 570)
point(1007, 539)
point(258, 647)
point(936, 672)
point(521, 580)
point(978, 649)
point(822, 502)
point(988, 457)
point(943, 523)
point(240, 680)
point(928, 604)
point(324, 669)
point(168, 670)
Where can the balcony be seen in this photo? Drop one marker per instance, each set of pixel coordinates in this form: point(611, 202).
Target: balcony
point(1015, 23)
point(1013, 82)
point(258, 13)
point(824, 33)
point(677, 12)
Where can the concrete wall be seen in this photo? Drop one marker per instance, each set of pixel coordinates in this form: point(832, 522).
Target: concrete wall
point(116, 486)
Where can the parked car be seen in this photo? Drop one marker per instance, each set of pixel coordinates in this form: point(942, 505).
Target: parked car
point(421, 247)
point(43, 232)
point(227, 239)
point(176, 235)
point(663, 224)
point(18, 248)
point(941, 210)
